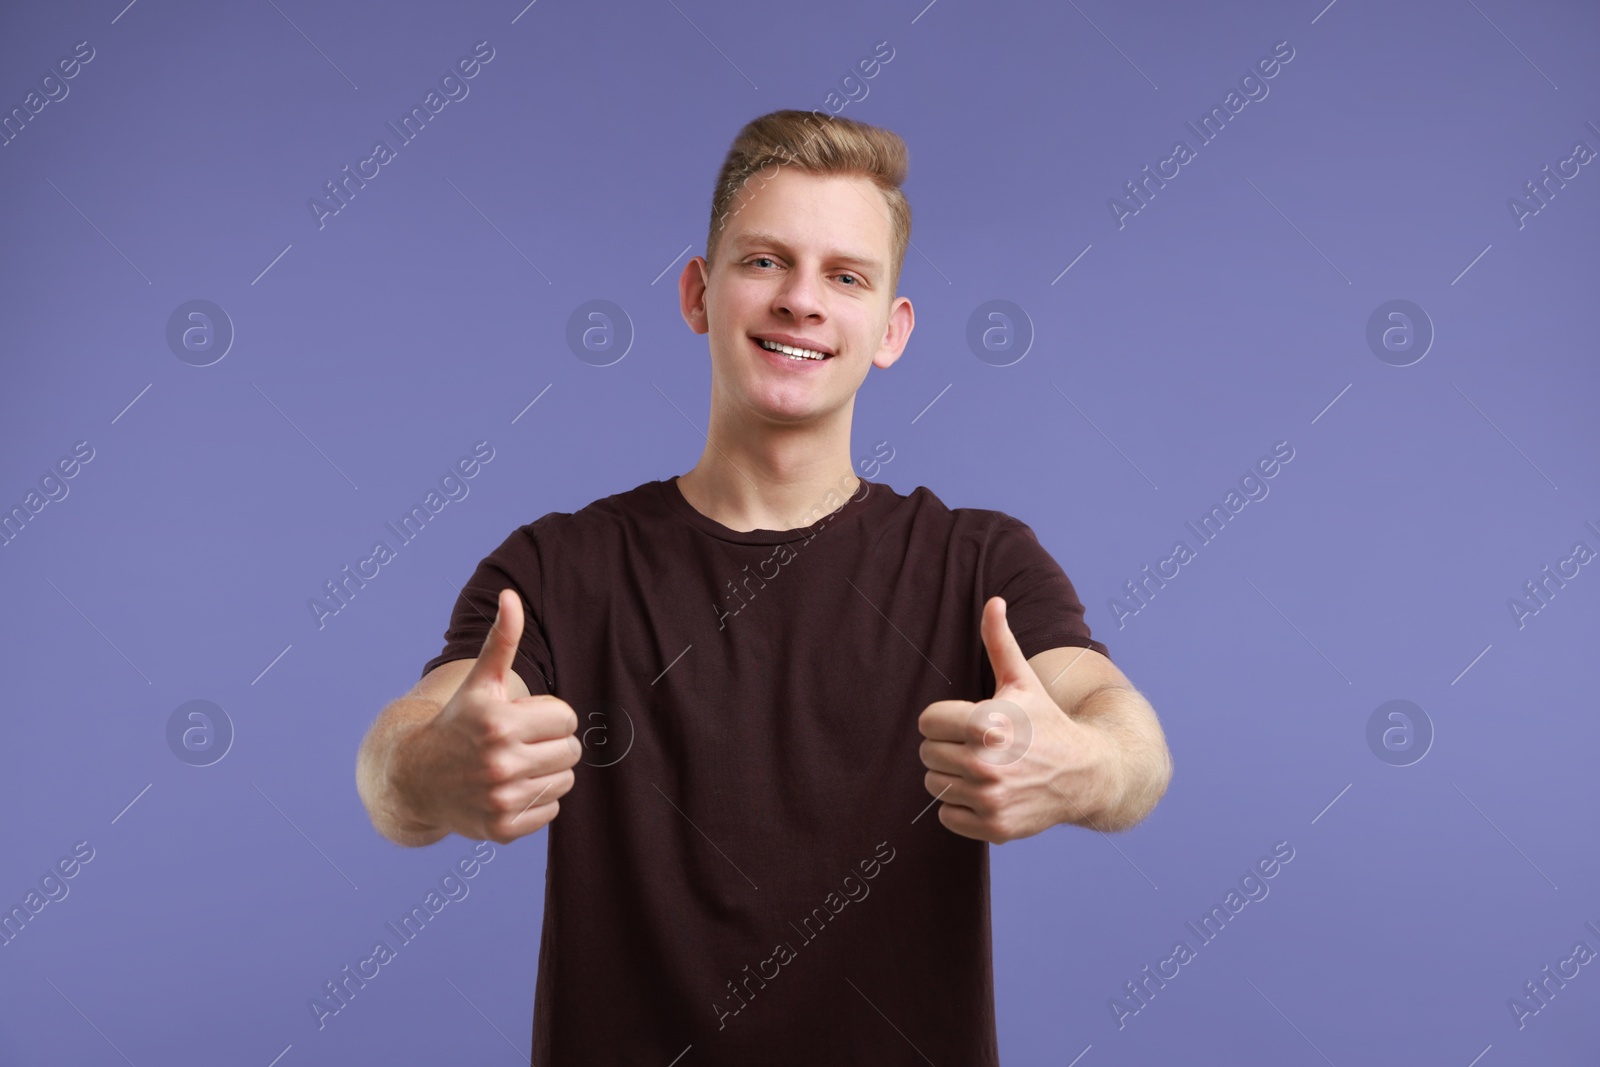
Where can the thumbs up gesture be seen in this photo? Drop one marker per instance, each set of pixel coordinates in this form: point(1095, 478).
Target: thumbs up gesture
point(490, 765)
point(1016, 764)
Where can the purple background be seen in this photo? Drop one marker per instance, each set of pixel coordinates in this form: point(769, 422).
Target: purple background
point(1230, 313)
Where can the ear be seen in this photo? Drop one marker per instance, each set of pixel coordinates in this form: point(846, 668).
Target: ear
point(693, 282)
point(898, 331)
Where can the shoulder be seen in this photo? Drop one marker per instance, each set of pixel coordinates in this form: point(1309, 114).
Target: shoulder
point(632, 507)
point(983, 524)
point(923, 519)
point(984, 540)
point(925, 503)
point(560, 531)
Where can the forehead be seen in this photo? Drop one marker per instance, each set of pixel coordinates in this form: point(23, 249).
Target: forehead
point(839, 217)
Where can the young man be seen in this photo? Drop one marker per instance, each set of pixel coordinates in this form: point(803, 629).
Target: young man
point(780, 668)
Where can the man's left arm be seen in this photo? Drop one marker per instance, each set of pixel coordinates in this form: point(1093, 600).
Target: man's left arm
point(1066, 738)
point(1128, 763)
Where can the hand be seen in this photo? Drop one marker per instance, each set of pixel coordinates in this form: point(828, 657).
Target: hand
point(1016, 764)
point(490, 766)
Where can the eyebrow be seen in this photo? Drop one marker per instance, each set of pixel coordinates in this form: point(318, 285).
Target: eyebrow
point(762, 238)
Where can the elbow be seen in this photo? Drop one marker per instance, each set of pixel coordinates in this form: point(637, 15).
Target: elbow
point(376, 788)
point(406, 839)
point(1141, 801)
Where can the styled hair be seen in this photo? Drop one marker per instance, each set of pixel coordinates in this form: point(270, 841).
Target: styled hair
point(821, 144)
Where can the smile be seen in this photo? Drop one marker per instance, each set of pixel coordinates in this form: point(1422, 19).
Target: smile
point(791, 351)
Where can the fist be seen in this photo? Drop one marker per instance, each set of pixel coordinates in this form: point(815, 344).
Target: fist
point(1013, 765)
point(490, 766)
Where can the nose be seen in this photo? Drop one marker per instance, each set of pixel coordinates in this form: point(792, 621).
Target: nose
point(799, 296)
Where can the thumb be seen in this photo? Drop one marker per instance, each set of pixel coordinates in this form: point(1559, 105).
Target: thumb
point(1005, 655)
point(500, 647)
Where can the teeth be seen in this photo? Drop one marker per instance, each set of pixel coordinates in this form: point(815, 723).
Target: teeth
point(790, 351)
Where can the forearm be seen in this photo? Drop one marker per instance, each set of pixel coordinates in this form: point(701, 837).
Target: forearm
point(377, 777)
point(1136, 765)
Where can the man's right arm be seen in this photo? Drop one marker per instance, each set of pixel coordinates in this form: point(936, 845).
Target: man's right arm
point(469, 749)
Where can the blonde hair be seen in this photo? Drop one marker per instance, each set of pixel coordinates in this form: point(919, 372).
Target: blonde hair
point(824, 146)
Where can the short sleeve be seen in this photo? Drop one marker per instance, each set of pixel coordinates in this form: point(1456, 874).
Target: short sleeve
point(514, 564)
point(1042, 607)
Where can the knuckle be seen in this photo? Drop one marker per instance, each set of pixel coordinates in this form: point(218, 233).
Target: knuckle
point(498, 767)
point(493, 728)
point(505, 831)
point(501, 802)
point(980, 729)
point(539, 816)
point(987, 774)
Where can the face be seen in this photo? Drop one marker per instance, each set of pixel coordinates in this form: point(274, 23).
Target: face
point(803, 257)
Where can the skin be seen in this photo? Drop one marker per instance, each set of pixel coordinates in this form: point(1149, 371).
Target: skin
point(469, 751)
point(780, 440)
point(1066, 738)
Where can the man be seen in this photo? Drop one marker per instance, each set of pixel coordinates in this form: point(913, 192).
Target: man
point(780, 667)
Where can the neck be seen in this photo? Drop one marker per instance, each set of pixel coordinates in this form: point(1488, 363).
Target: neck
point(768, 478)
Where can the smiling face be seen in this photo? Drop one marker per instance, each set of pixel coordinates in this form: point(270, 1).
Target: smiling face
point(805, 260)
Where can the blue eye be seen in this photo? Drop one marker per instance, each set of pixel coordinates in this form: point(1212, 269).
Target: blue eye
point(756, 261)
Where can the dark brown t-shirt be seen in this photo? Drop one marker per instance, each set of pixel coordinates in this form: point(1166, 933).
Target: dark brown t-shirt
point(748, 862)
